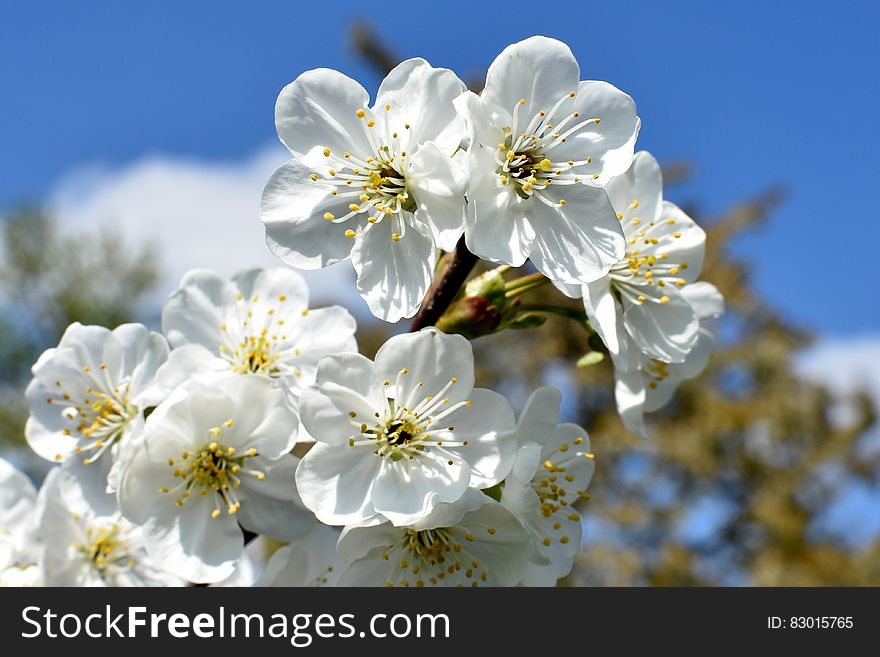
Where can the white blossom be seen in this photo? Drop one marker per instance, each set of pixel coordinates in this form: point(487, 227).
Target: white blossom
point(401, 435)
point(87, 541)
point(553, 468)
point(541, 144)
point(308, 561)
point(472, 542)
point(640, 301)
point(257, 324)
point(650, 385)
point(19, 548)
point(378, 184)
point(214, 456)
point(89, 393)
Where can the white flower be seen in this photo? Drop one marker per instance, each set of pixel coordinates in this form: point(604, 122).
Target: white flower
point(87, 541)
point(639, 302)
point(88, 394)
point(259, 323)
point(378, 184)
point(401, 435)
point(22, 576)
point(214, 456)
point(541, 144)
point(553, 468)
point(17, 498)
point(308, 561)
point(472, 542)
point(651, 384)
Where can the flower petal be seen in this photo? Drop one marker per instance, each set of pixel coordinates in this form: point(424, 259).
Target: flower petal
point(336, 483)
point(642, 186)
point(704, 298)
point(539, 70)
point(407, 490)
point(345, 384)
point(293, 209)
point(663, 331)
point(394, 275)
point(431, 358)
point(629, 392)
point(420, 99)
point(438, 183)
point(317, 111)
point(578, 242)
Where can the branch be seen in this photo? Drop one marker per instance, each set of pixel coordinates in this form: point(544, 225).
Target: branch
point(445, 290)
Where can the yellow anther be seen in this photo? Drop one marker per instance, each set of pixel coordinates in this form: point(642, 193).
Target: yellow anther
point(329, 216)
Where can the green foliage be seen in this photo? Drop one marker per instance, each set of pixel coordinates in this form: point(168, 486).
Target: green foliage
point(50, 278)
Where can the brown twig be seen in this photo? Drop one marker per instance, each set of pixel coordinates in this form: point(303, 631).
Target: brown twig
point(444, 290)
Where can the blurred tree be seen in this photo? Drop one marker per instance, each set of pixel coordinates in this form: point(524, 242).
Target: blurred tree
point(744, 461)
point(49, 279)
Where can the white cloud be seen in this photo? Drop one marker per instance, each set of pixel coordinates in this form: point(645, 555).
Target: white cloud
point(844, 365)
point(199, 214)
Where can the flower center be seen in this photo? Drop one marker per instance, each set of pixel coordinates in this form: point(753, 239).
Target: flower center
point(105, 549)
point(375, 182)
point(645, 271)
point(255, 338)
point(657, 370)
point(408, 424)
point(525, 161)
point(432, 555)
point(258, 357)
point(101, 414)
point(214, 470)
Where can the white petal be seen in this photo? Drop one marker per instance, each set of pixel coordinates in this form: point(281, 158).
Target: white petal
point(431, 358)
point(293, 209)
point(394, 275)
point(188, 362)
point(438, 182)
point(336, 483)
point(704, 298)
point(629, 392)
point(606, 317)
point(539, 70)
point(192, 313)
point(317, 111)
point(489, 426)
point(272, 507)
point(345, 384)
point(643, 183)
point(663, 331)
point(270, 284)
point(540, 415)
point(421, 96)
point(696, 362)
point(683, 240)
point(406, 491)
point(193, 545)
point(611, 141)
point(578, 242)
point(307, 561)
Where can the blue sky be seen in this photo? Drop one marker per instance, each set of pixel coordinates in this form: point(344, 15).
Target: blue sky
point(753, 93)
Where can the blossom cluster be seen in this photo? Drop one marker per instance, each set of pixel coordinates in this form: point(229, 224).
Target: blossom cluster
point(252, 416)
